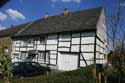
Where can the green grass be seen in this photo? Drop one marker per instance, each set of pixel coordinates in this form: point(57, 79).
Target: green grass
point(82, 75)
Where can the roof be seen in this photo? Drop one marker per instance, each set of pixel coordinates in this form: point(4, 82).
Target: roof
point(11, 31)
point(76, 21)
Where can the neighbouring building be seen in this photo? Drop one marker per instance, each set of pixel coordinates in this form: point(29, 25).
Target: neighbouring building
point(64, 42)
point(6, 34)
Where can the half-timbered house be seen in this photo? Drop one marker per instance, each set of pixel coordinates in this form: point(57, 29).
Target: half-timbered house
point(64, 42)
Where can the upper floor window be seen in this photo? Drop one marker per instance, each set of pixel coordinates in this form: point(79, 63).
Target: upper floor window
point(28, 41)
point(24, 43)
point(42, 40)
point(65, 37)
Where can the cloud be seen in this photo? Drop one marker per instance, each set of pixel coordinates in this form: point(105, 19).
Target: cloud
point(2, 16)
point(21, 1)
point(14, 14)
point(76, 1)
point(122, 4)
point(2, 27)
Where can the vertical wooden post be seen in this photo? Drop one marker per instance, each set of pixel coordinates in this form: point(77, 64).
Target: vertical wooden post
point(95, 56)
point(105, 79)
point(99, 77)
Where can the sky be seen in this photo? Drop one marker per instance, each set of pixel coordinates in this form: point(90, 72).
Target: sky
point(17, 12)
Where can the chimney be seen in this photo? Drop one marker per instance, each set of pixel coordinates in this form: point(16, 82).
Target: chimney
point(66, 11)
point(46, 15)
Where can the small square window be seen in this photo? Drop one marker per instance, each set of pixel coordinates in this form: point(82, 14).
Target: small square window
point(23, 54)
point(65, 37)
point(24, 43)
point(42, 40)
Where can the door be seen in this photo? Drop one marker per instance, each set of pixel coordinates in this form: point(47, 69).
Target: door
point(67, 61)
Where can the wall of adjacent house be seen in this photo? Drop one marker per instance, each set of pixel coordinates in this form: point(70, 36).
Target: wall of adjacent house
point(101, 45)
point(101, 52)
point(101, 27)
point(6, 42)
point(53, 44)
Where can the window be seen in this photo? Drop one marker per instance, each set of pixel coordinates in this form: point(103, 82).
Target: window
point(65, 37)
point(43, 56)
point(15, 55)
point(42, 40)
point(17, 42)
point(47, 56)
point(24, 43)
point(30, 41)
point(23, 54)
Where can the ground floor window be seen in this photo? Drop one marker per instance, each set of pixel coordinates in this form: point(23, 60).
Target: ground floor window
point(47, 56)
point(15, 55)
point(43, 56)
point(23, 54)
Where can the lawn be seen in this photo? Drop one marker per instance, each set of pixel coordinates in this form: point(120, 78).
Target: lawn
point(82, 75)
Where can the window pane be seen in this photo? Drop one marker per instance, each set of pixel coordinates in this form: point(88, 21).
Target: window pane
point(47, 56)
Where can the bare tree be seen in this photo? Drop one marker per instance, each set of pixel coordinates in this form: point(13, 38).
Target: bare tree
point(116, 36)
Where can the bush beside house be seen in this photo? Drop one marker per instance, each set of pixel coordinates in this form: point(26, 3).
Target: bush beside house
point(5, 64)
